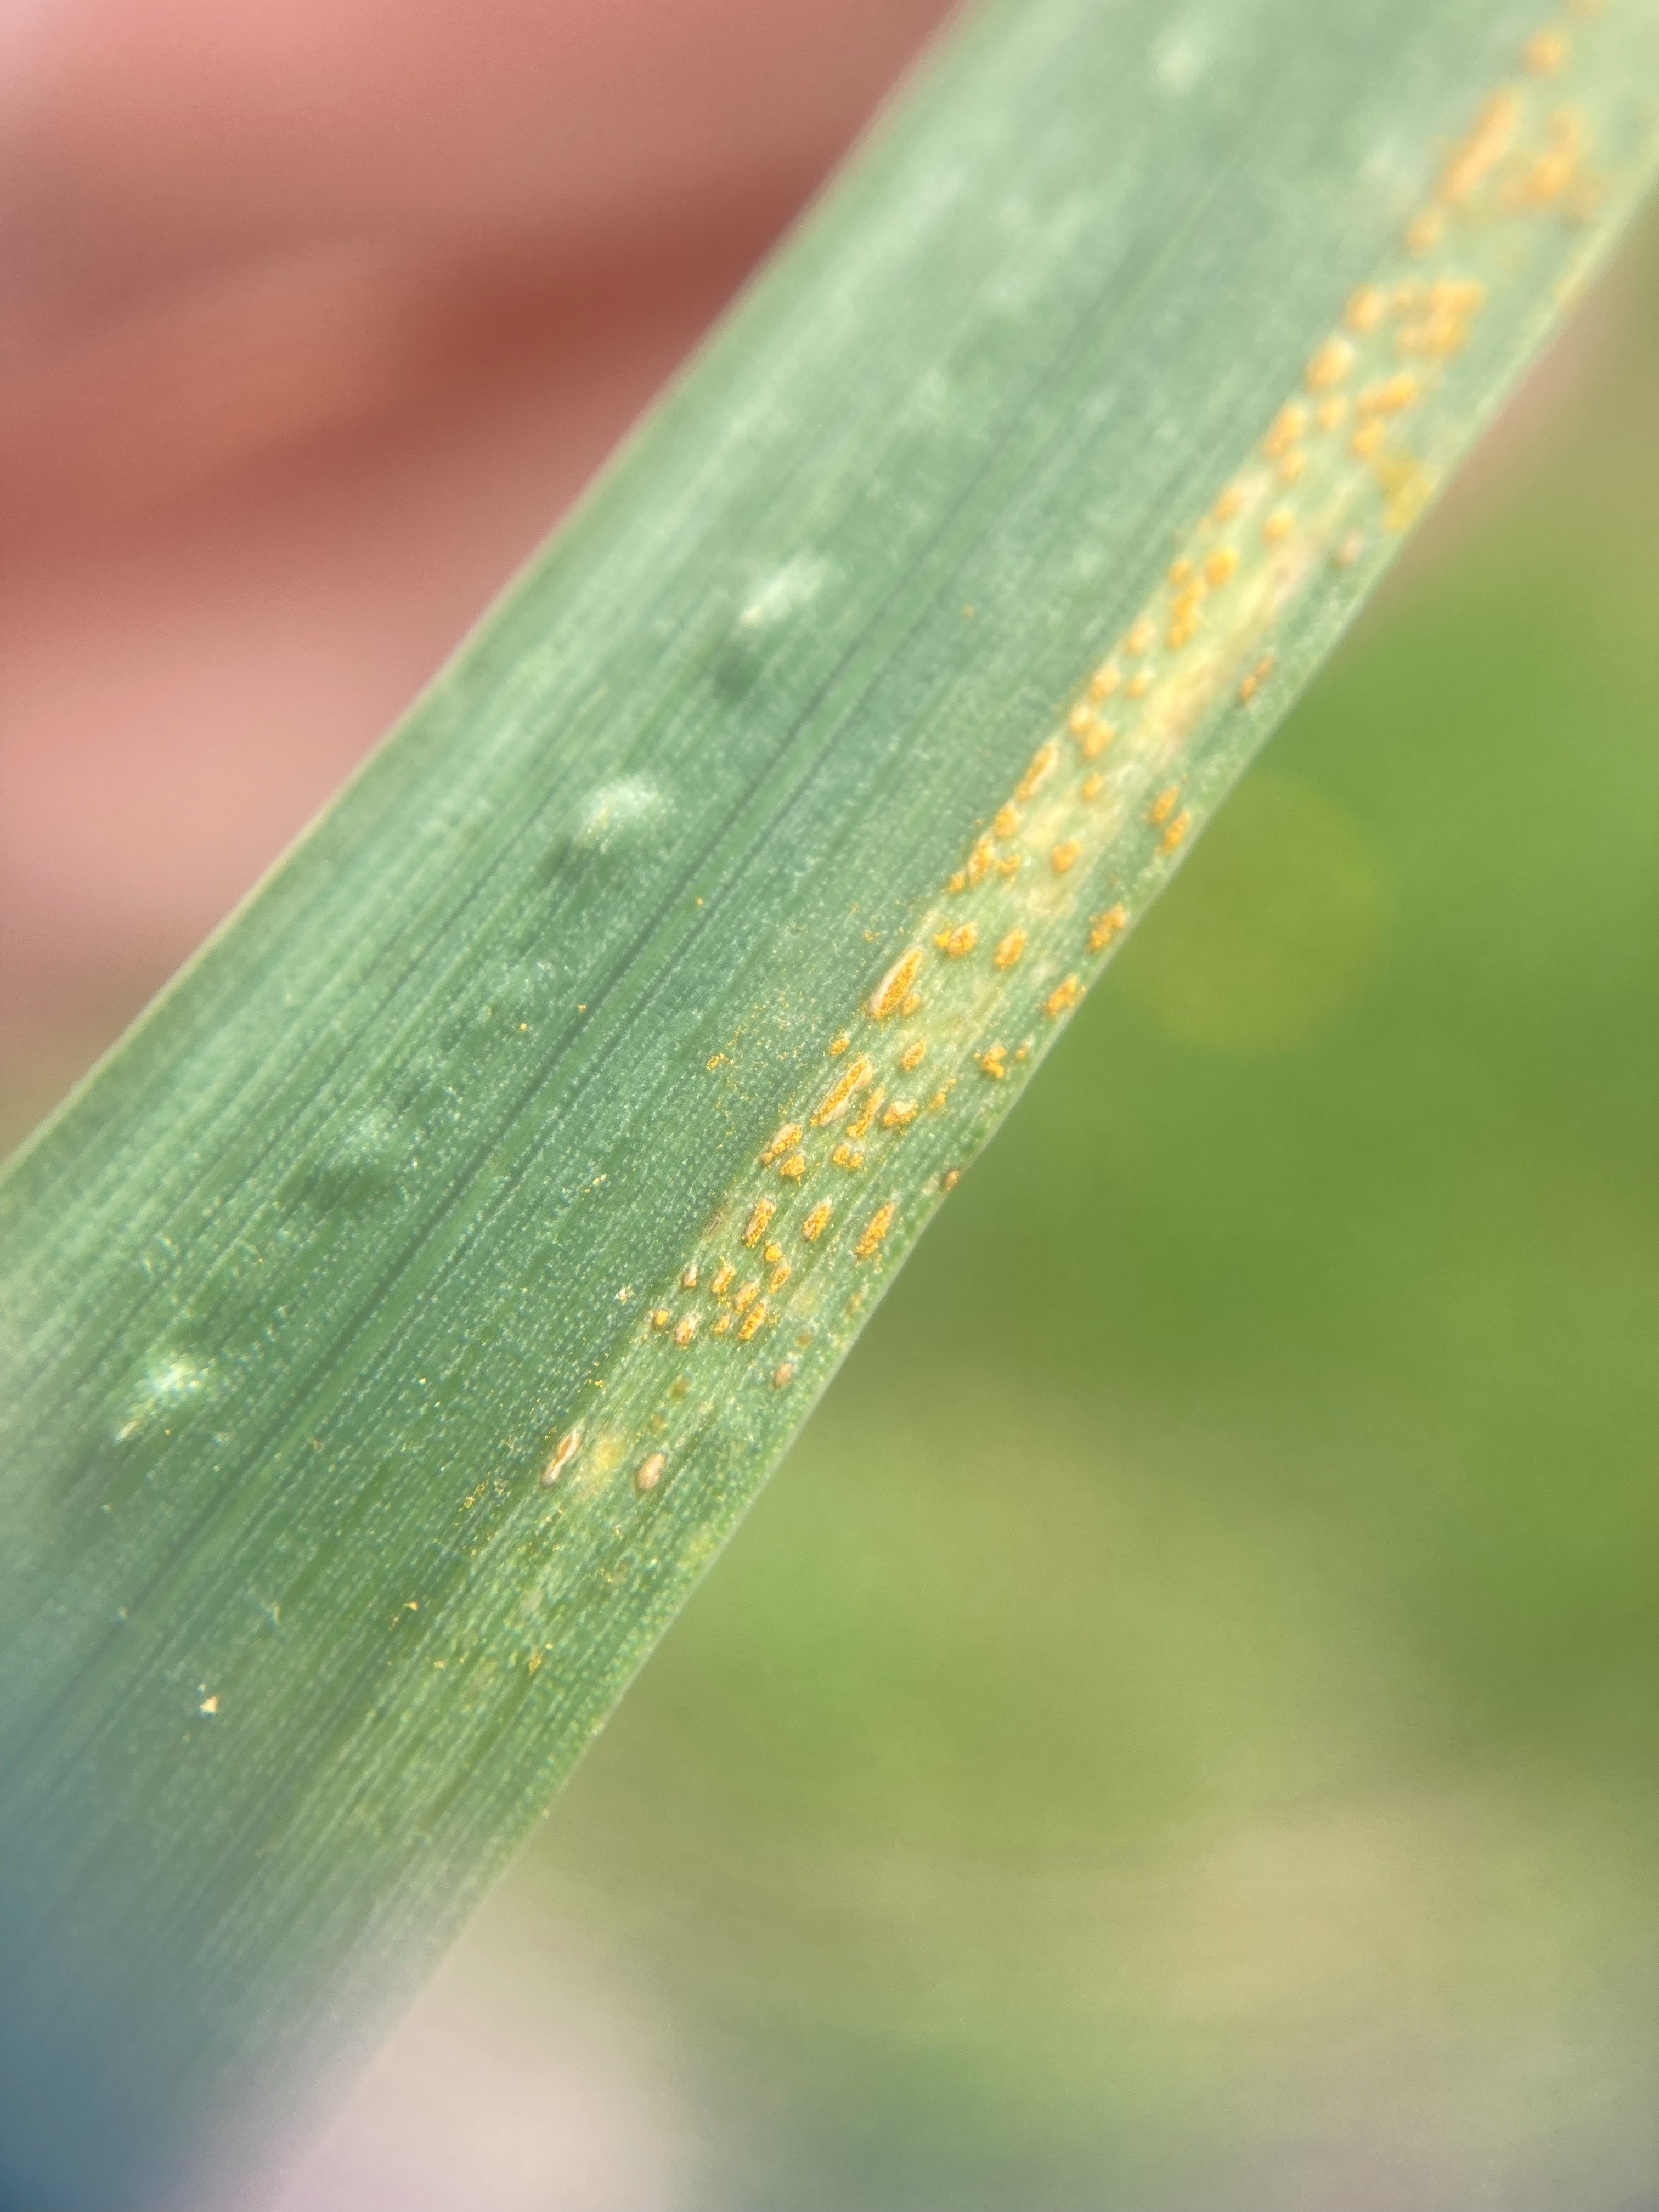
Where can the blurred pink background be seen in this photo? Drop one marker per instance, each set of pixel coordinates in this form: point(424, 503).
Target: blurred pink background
point(314, 319)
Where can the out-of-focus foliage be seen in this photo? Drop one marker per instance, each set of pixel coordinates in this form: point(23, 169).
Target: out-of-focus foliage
point(1180, 1729)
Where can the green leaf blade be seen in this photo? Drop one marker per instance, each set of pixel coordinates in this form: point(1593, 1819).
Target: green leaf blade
point(306, 1288)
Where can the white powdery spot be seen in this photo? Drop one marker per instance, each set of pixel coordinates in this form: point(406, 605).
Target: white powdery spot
point(170, 1382)
point(1180, 56)
point(618, 812)
point(785, 590)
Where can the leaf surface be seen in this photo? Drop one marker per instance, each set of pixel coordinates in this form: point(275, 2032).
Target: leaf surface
point(399, 1321)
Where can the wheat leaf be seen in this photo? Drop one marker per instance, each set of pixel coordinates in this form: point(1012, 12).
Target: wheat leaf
point(398, 1323)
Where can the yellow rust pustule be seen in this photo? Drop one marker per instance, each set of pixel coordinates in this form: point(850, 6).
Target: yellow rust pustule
point(894, 989)
point(874, 1229)
point(785, 1141)
point(760, 1214)
point(860, 1125)
point(1064, 996)
point(955, 944)
point(851, 1078)
point(563, 1452)
point(1042, 761)
point(1009, 950)
point(1105, 926)
point(816, 1221)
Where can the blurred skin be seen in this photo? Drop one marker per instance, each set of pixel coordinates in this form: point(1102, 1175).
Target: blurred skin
point(314, 319)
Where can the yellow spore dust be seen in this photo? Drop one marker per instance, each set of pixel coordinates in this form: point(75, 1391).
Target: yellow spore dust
point(1007, 821)
point(1287, 426)
point(1064, 855)
point(1105, 680)
point(785, 1141)
point(1092, 785)
point(1367, 440)
point(839, 1043)
point(848, 1156)
point(563, 1452)
point(760, 1214)
point(722, 1323)
point(685, 1328)
point(950, 1179)
point(1097, 738)
point(956, 942)
point(1009, 949)
point(1406, 485)
point(1330, 363)
point(993, 1061)
point(1278, 526)
point(860, 1125)
point(1367, 310)
point(900, 1113)
point(1548, 177)
point(783, 1374)
point(851, 1077)
point(1423, 231)
point(720, 1281)
point(1105, 926)
point(772, 1251)
point(746, 1296)
point(1391, 396)
point(1545, 53)
point(794, 1167)
point(1143, 635)
point(1064, 996)
point(1220, 566)
point(1183, 630)
point(1176, 831)
point(914, 1054)
point(894, 988)
point(1042, 761)
point(660, 1317)
point(1257, 676)
point(816, 1221)
point(1442, 328)
point(779, 1276)
point(874, 1229)
point(1165, 805)
point(1474, 161)
point(752, 1321)
point(649, 1472)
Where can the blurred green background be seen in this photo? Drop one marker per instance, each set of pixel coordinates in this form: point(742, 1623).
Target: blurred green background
point(1180, 1730)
